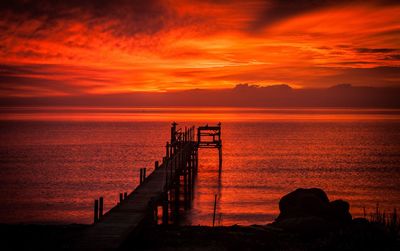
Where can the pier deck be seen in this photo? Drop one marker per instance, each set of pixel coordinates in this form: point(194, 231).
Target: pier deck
point(116, 225)
point(169, 187)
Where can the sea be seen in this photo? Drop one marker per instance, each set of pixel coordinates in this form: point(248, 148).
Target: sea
point(54, 161)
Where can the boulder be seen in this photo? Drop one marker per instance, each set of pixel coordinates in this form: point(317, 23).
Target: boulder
point(309, 210)
point(339, 211)
point(303, 202)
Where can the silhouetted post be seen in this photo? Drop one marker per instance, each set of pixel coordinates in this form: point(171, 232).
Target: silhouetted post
point(120, 198)
point(177, 197)
point(220, 159)
point(125, 195)
point(144, 174)
point(96, 211)
point(101, 207)
point(165, 163)
point(185, 138)
point(156, 165)
point(173, 132)
point(141, 175)
point(215, 209)
point(171, 164)
point(185, 187)
point(196, 160)
point(192, 171)
point(189, 180)
point(167, 150)
point(165, 209)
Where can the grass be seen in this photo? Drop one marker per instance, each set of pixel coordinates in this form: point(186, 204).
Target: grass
point(389, 220)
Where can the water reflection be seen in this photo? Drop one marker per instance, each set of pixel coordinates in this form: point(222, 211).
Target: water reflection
point(55, 164)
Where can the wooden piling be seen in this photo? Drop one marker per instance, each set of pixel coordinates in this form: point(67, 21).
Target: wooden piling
point(166, 184)
point(190, 181)
point(192, 172)
point(156, 165)
point(185, 135)
point(165, 209)
point(144, 174)
point(96, 211)
point(220, 159)
point(141, 176)
point(167, 150)
point(185, 189)
point(125, 195)
point(173, 132)
point(177, 198)
point(215, 209)
point(196, 159)
point(101, 207)
point(120, 198)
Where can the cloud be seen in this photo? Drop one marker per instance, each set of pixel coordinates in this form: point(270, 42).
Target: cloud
point(375, 50)
point(275, 11)
point(124, 18)
point(98, 47)
point(392, 57)
point(243, 95)
point(50, 80)
point(100, 8)
point(377, 76)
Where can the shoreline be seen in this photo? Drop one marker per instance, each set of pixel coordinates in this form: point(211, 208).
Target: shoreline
point(308, 220)
point(357, 236)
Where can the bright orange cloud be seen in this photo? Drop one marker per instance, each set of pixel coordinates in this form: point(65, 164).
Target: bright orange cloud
point(129, 46)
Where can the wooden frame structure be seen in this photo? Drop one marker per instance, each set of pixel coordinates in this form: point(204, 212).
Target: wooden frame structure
point(210, 137)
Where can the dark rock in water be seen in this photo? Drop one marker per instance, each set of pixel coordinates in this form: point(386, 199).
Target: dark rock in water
point(307, 210)
point(339, 211)
point(303, 202)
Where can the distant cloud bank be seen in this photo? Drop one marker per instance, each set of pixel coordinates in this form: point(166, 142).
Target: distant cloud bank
point(243, 95)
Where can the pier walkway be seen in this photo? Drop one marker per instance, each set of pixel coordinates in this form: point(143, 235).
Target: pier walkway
point(160, 197)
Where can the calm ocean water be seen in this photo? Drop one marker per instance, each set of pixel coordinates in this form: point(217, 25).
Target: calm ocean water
point(55, 162)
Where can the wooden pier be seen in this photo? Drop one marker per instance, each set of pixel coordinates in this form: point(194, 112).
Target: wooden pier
point(161, 197)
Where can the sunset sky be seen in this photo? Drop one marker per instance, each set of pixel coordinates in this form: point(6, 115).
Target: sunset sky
point(53, 48)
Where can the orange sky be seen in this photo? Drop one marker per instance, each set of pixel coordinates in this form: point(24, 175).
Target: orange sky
point(93, 47)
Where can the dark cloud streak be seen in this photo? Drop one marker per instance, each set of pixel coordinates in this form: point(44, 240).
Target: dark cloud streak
point(124, 18)
point(392, 57)
point(59, 79)
point(375, 50)
point(278, 10)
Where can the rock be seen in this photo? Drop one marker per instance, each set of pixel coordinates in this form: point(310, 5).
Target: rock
point(339, 211)
point(309, 210)
point(303, 202)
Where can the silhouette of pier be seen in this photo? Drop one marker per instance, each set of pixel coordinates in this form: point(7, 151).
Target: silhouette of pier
point(160, 197)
